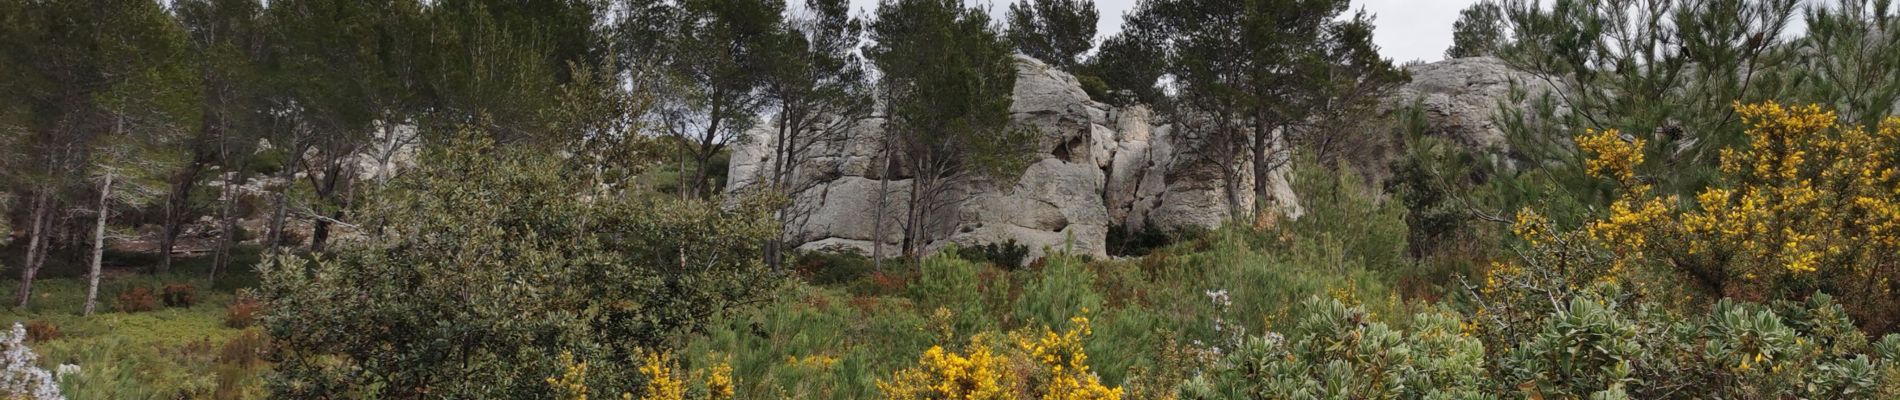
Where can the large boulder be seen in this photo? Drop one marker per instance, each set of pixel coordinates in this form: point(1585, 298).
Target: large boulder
point(1460, 98)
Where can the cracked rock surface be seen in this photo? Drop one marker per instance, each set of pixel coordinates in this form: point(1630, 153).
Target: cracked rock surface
point(1096, 167)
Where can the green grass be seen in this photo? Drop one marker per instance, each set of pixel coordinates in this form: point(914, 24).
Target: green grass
point(1140, 308)
point(163, 354)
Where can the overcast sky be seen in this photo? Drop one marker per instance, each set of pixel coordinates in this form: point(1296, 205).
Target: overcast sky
point(1407, 29)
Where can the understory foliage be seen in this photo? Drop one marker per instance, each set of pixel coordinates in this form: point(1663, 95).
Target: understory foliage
point(1335, 350)
point(477, 276)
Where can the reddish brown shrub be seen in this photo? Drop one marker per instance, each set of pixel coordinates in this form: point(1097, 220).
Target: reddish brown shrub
point(40, 331)
point(242, 312)
point(180, 295)
point(137, 299)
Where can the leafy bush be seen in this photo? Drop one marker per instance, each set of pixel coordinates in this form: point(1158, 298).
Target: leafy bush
point(663, 377)
point(1341, 207)
point(1096, 88)
point(952, 283)
point(816, 343)
point(245, 350)
point(1338, 351)
point(136, 298)
point(180, 295)
point(485, 265)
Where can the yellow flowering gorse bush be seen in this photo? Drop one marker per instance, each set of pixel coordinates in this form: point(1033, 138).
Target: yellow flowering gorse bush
point(1808, 205)
point(1050, 365)
point(664, 380)
point(1066, 363)
point(942, 374)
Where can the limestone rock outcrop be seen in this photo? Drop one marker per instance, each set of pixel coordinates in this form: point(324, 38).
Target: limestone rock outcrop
point(1460, 98)
point(1097, 167)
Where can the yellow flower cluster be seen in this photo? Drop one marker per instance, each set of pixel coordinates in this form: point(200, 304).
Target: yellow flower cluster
point(1806, 198)
point(1612, 157)
point(1530, 226)
point(1808, 191)
point(941, 374)
point(659, 369)
point(662, 383)
point(719, 382)
point(1050, 365)
point(572, 384)
point(1063, 358)
point(1628, 220)
point(815, 361)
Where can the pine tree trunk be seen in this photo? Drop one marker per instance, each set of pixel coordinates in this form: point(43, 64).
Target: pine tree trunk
point(327, 192)
point(175, 205)
point(913, 228)
point(98, 244)
point(276, 234)
point(774, 247)
point(1263, 163)
point(883, 203)
point(35, 248)
point(227, 232)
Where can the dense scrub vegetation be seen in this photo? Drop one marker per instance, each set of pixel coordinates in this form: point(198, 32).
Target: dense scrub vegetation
point(498, 199)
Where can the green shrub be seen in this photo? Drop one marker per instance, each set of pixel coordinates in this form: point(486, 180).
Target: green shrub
point(486, 267)
point(814, 343)
point(1338, 351)
point(1007, 255)
point(1341, 207)
point(826, 268)
point(1096, 88)
point(1124, 242)
point(955, 284)
point(1064, 286)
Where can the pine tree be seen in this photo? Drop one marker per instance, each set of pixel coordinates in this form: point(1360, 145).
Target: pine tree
point(109, 89)
point(1666, 72)
point(1058, 32)
point(344, 69)
point(1851, 59)
point(228, 37)
point(1256, 76)
point(821, 90)
point(1130, 65)
point(947, 83)
point(1479, 31)
point(713, 79)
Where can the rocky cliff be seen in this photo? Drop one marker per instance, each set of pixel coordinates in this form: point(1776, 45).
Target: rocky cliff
point(1097, 166)
point(1460, 99)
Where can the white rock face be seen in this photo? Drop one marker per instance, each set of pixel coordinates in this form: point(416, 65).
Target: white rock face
point(1460, 98)
point(1097, 166)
